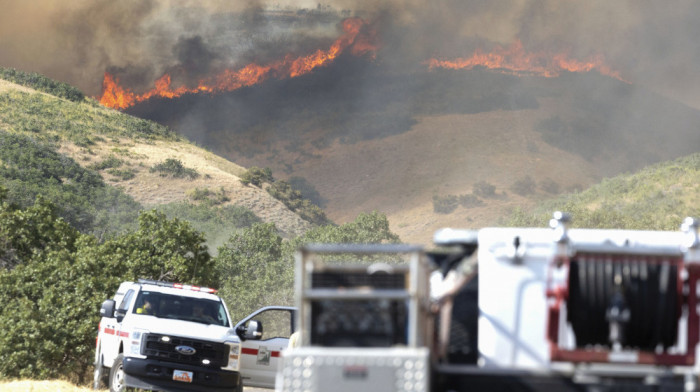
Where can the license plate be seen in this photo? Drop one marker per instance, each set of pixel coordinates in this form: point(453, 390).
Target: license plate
point(181, 375)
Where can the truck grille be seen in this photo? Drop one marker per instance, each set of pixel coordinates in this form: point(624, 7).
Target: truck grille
point(216, 354)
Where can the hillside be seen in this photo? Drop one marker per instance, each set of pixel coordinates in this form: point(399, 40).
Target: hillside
point(123, 150)
point(369, 139)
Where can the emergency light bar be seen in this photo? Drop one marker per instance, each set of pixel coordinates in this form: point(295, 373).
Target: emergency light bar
point(178, 286)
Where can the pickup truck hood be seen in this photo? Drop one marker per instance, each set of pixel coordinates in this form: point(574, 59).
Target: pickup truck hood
point(188, 329)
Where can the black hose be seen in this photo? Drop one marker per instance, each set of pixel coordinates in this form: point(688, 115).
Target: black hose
point(649, 288)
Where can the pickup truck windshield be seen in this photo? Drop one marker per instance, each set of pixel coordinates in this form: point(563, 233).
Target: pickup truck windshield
point(177, 307)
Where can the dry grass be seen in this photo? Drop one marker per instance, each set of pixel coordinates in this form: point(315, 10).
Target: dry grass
point(41, 386)
point(445, 155)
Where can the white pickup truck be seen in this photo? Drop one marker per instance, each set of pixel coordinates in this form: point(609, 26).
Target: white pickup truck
point(172, 337)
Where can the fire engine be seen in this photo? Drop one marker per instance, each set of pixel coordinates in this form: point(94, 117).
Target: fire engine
point(175, 337)
point(500, 309)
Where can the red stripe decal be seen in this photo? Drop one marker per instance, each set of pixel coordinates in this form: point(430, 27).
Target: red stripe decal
point(123, 334)
point(252, 351)
point(109, 331)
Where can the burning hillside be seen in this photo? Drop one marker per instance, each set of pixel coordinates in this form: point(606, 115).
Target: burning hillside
point(515, 59)
point(357, 38)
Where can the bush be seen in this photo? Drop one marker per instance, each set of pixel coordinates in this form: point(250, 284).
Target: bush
point(209, 197)
point(122, 174)
point(468, 201)
point(30, 168)
point(42, 83)
point(484, 189)
point(524, 187)
point(292, 198)
point(445, 204)
point(107, 163)
point(307, 190)
point(257, 176)
point(174, 168)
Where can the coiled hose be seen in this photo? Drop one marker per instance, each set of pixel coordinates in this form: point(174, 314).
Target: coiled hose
point(649, 286)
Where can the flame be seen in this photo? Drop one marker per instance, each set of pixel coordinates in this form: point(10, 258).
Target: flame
point(117, 97)
point(515, 59)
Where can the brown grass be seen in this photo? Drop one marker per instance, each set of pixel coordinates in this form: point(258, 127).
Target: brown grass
point(41, 386)
point(444, 155)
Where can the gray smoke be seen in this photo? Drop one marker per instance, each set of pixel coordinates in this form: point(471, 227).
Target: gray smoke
point(650, 42)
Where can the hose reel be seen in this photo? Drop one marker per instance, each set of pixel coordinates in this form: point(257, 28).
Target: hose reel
point(629, 301)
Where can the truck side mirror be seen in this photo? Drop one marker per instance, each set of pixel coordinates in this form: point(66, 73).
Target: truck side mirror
point(107, 309)
point(253, 331)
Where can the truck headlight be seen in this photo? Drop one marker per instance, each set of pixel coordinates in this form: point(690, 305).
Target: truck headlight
point(234, 354)
point(135, 341)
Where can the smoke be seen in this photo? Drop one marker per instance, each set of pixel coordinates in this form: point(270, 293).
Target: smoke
point(651, 43)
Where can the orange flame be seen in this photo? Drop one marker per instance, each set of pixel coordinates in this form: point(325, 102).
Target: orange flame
point(117, 97)
point(515, 59)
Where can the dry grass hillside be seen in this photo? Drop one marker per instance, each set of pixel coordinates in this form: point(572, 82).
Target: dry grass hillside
point(215, 174)
point(149, 188)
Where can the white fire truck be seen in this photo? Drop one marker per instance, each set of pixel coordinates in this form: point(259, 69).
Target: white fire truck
point(550, 309)
point(173, 337)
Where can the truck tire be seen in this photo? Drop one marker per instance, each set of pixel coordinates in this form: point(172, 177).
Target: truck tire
point(116, 375)
point(101, 374)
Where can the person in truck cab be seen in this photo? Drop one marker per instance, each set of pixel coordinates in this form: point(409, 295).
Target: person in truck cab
point(198, 313)
point(146, 308)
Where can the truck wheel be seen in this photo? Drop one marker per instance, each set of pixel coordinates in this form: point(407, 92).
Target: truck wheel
point(116, 375)
point(100, 374)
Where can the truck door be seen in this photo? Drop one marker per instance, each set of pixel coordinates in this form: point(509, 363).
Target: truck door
point(112, 328)
point(260, 355)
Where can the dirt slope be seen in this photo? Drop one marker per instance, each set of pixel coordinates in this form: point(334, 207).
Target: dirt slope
point(441, 155)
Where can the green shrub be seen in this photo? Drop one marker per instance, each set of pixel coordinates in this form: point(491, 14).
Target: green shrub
point(122, 174)
point(30, 168)
point(257, 176)
point(108, 163)
point(307, 190)
point(208, 196)
point(42, 83)
point(292, 198)
point(174, 168)
point(54, 120)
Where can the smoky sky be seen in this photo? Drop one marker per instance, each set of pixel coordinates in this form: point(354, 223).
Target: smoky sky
point(650, 42)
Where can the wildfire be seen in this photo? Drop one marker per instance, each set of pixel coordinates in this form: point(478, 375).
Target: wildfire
point(515, 59)
point(118, 97)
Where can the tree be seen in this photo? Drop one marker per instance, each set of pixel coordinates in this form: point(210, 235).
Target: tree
point(368, 228)
point(162, 249)
point(50, 299)
point(255, 270)
point(257, 267)
point(33, 230)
